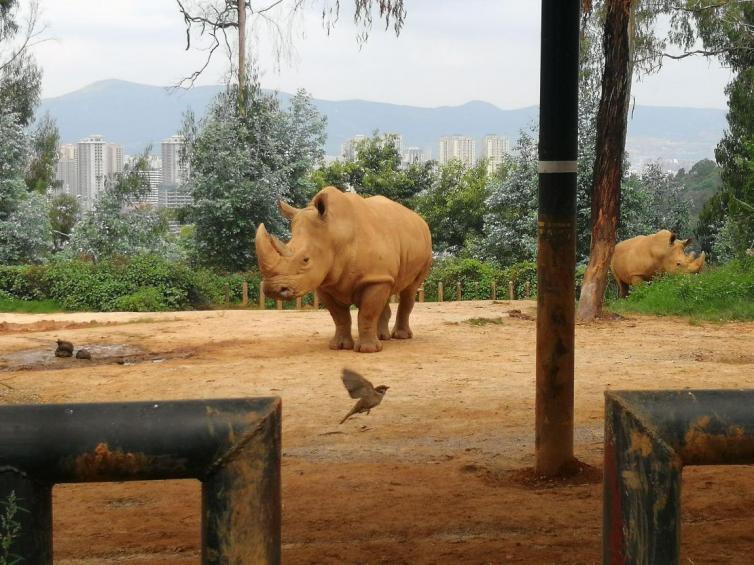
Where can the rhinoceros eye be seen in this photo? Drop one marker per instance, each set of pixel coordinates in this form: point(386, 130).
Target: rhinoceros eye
point(306, 259)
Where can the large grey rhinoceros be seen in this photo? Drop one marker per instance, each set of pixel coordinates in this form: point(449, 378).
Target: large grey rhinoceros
point(643, 257)
point(352, 250)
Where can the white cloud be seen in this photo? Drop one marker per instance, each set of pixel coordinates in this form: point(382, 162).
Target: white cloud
point(449, 52)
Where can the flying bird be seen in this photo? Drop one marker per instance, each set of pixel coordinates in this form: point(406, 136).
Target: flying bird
point(358, 387)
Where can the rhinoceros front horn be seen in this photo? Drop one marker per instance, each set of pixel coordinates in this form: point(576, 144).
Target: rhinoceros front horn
point(267, 255)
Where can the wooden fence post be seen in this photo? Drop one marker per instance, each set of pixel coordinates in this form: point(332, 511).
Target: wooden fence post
point(245, 294)
point(494, 290)
point(316, 301)
point(279, 304)
point(439, 292)
point(458, 292)
point(527, 289)
point(227, 294)
point(298, 303)
point(261, 297)
point(510, 291)
point(421, 294)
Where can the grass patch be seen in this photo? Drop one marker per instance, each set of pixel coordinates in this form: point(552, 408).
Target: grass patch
point(483, 321)
point(29, 306)
point(720, 294)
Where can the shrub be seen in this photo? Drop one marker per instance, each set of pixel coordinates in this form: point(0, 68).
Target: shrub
point(722, 293)
point(476, 278)
point(148, 299)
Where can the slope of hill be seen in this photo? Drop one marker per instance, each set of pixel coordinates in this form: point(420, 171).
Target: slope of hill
point(136, 115)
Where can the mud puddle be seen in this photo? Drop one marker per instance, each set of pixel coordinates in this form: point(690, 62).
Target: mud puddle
point(123, 354)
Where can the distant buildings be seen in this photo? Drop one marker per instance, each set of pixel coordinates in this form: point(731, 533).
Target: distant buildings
point(458, 147)
point(66, 171)
point(349, 150)
point(494, 149)
point(413, 156)
point(173, 170)
point(95, 160)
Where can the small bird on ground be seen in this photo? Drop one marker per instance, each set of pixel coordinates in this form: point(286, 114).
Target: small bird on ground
point(65, 349)
point(358, 387)
point(83, 354)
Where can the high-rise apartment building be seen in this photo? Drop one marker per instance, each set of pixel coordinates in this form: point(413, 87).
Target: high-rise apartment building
point(90, 159)
point(494, 150)
point(458, 147)
point(412, 156)
point(66, 172)
point(349, 150)
point(174, 173)
point(113, 156)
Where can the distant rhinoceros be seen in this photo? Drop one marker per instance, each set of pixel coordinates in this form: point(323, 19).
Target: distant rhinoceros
point(352, 250)
point(643, 257)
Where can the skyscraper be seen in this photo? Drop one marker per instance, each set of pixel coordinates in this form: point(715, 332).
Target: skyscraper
point(90, 168)
point(66, 172)
point(349, 149)
point(174, 173)
point(458, 147)
point(494, 149)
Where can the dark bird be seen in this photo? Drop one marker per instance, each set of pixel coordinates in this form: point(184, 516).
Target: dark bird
point(83, 354)
point(65, 349)
point(358, 387)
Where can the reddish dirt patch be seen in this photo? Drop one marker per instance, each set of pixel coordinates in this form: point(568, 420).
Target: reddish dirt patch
point(438, 473)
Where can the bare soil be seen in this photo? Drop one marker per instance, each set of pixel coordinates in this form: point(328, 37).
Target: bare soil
point(436, 474)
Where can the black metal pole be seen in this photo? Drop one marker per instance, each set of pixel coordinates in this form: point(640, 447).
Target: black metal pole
point(556, 253)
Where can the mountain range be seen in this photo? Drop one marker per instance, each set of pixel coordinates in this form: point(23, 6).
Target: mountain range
point(136, 115)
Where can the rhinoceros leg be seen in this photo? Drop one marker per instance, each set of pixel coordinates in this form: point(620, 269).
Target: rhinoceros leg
point(402, 330)
point(622, 288)
point(383, 330)
point(371, 307)
point(341, 315)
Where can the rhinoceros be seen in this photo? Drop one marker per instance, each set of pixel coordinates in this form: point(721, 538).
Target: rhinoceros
point(643, 257)
point(352, 250)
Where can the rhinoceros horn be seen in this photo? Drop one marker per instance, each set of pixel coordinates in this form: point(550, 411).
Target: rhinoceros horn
point(269, 249)
point(699, 263)
point(287, 210)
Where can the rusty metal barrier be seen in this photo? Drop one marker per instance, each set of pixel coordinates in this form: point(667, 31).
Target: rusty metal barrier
point(231, 445)
point(649, 437)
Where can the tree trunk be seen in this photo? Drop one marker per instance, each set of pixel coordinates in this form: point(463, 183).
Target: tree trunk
point(612, 118)
point(241, 54)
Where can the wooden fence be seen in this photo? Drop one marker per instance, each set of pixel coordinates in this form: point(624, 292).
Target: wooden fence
point(313, 303)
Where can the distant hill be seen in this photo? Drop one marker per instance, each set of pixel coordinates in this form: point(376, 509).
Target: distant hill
point(136, 115)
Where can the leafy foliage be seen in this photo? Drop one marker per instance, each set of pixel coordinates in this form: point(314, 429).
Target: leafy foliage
point(64, 213)
point(40, 174)
point(242, 161)
point(476, 278)
point(454, 205)
point(120, 224)
point(24, 226)
point(10, 529)
point(377, 170)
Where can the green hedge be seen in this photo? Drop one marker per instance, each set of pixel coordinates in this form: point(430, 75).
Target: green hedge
point(476, 278)
point(143, 283)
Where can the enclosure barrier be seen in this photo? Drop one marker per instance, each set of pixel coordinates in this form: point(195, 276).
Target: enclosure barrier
point(314, 302)
point(649, 437)
point(232, 446)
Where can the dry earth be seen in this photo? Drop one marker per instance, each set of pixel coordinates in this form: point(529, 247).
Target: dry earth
point(431, 476)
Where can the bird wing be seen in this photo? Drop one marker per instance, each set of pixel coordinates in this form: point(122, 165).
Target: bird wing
point(356, 385)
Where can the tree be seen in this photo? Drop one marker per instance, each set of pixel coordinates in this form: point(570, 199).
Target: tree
point(377, 170)
point(612, 120)
point(40, 174)
point(64, 213)
point(510, 226)
point(120, 224)
point(24, 226)
point(242, 163)
point(455, 205)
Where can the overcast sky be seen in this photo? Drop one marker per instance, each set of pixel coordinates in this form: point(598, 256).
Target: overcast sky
point(450, 52)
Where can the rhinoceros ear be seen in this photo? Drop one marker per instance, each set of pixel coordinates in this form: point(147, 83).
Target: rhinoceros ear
point(287, 210)
point(686, 242)
point(320, 203)
point(672, 238)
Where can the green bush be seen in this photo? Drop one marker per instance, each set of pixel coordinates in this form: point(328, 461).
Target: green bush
point(721, 293)
point(476, 278)
point(147, 299)
point(142, 283)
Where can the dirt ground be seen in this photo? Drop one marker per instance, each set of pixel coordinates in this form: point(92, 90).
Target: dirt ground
point(431, 476)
